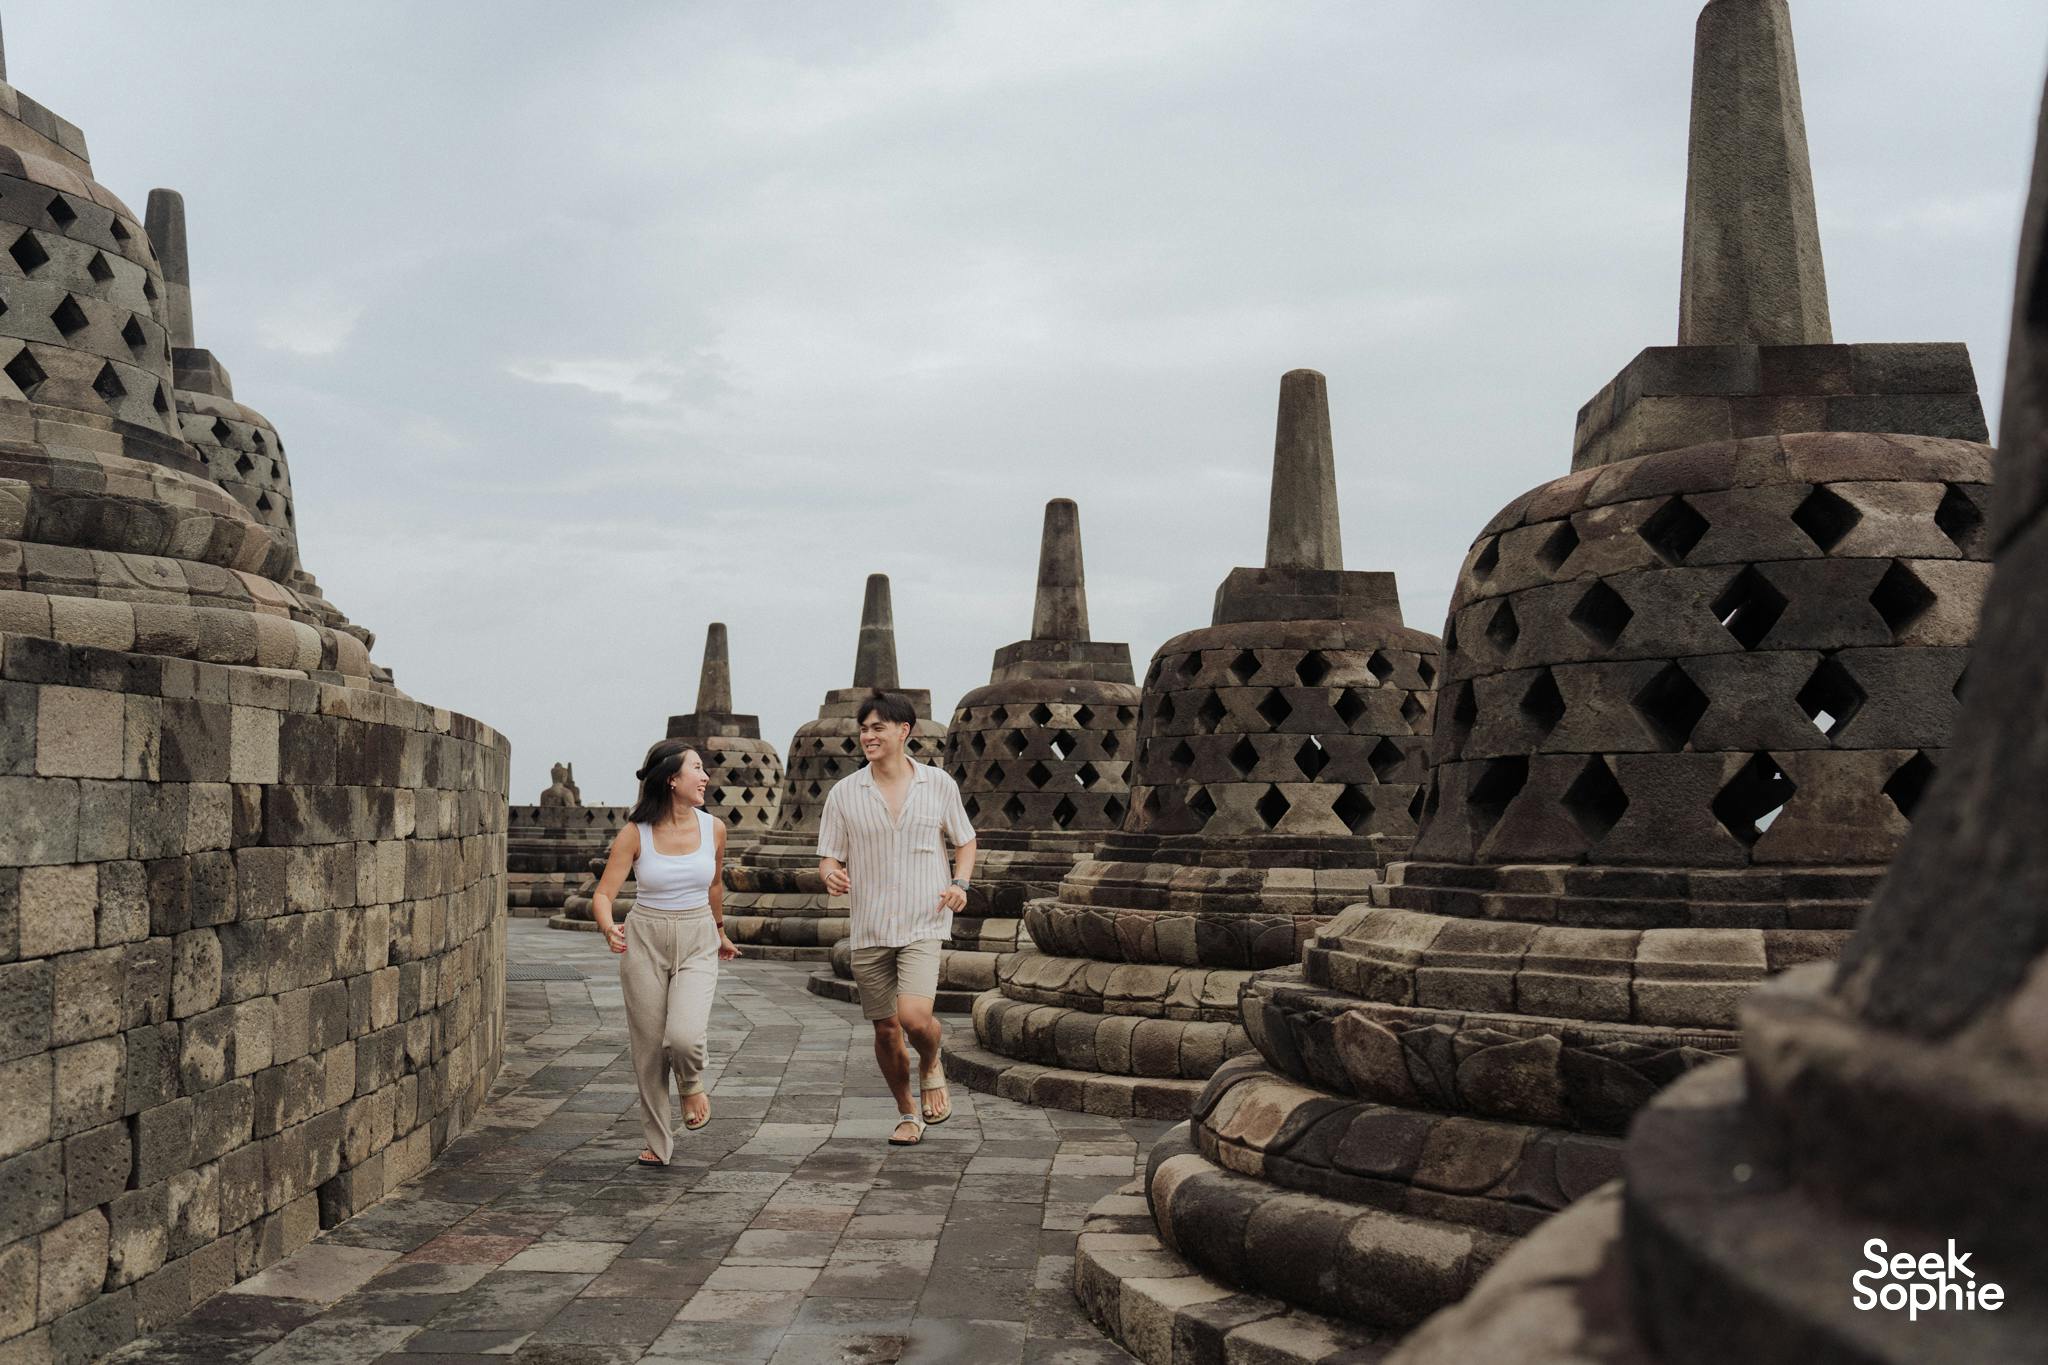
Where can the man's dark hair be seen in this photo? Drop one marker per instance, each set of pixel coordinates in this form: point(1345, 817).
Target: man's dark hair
point(893, 707)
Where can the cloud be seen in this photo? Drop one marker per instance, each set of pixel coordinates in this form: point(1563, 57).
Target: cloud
point(314, 319)
point(650, 381)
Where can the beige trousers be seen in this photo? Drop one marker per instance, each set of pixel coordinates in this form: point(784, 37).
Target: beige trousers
point(668, 974)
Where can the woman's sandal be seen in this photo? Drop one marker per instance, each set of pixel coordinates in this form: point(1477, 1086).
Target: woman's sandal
point(935, 1082)
point(645, 1160)
point(693, 1127)
point(902, 1119)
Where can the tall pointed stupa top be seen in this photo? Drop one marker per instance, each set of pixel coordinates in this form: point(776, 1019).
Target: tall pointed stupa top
point(714, 684)
point(1752, 269)
point(1301, 525)
point(1061, 610)
point(165, 223)
point(874, 664)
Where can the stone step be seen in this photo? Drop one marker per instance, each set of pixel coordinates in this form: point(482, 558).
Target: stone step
point(1165, 1312)
point(1086, 1092)
point(838, 988)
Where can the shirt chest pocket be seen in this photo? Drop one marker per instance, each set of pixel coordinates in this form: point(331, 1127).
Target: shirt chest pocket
point(924, 833)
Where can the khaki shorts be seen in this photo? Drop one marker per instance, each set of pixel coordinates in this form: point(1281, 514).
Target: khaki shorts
point(885, 973)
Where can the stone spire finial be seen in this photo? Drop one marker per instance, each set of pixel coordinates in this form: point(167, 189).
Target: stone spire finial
point(874, 665)
point(714, 684)
point(1752, 271)
point(1301, 528)
point(1061, 611)
point(165, 222)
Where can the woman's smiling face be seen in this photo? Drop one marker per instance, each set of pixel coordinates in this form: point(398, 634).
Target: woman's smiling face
point(690, 780)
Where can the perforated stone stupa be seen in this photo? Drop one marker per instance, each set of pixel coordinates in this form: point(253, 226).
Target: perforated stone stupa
point(1692, 693)
point(1042, 755)
point(1279, 763)
point(251, 896)
point(775, 900)
point(1897, 1098)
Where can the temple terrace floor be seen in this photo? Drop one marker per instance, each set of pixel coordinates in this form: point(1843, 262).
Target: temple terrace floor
point(786, 1231)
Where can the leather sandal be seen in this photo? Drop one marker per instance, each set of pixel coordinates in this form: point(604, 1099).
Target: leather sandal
point(942, 1109)
point(902, 1119)
point(693, 1127)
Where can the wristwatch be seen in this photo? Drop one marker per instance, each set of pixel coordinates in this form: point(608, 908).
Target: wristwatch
point(960, 882)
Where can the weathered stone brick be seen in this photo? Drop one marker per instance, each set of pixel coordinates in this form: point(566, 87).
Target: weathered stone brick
point(161, 1299)
point(142, 740)
point(293, 1025)
point(254, 1020)
point(213, 1267)
point(26, 1001)
point(244, 963)
point(196, 738)
point(57, 909)
point(17, 729)
point(88, 1085)
point(170, 895)
point(156, 819)
point(260, 880)
point(214, 899)
point(222, 1118)
point(241, 1186)
point(79, 732)
point(20, 1276)
point(146, 997)
point(10, 913)
point(74, 1263)
point(192, 1208)
point(25, 1102)
point(93, 1329)
point(163, 1141)
point(205, 1041)
point(96, 1166)
point(123, 903)
point(105, 820)
point(253, 745)
point(31, 1192)
point(137, 1234)
point(209, 817)
point(151, 1066)
point(195, 973)
point(88, 989)
point(38, 821)
point(339, 1066)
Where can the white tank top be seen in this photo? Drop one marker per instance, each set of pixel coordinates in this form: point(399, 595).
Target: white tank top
point(677, 881)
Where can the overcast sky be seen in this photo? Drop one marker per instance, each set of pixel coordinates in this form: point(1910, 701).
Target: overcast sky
point(586, 327)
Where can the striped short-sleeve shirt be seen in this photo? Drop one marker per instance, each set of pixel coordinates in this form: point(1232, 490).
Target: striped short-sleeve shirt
point(898, 867)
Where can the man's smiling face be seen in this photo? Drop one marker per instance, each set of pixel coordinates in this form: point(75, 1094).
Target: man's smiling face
point(880, 738)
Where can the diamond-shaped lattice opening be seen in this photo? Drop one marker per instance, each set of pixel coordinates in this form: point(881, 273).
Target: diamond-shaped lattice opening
point(28, 253)
point(263, 502)
point(1416, 804)
point(108, 385)
point(1014, 809)
point(1272, 807)
point(1163, 712)
point(1083, 717)
point(1311, 757)
point(1244, 666)
point(1191, 664)
point(1063, 814)
point(118, 228)
point(1499, 783)
point(1038, 774)
point(1601, 614)
point(1014, 741)
point(996, 774)
point(1594, 800)
point(1212, 713)
point(1349, 707)
point(1450, 637)
point(1542, 703)
point(1748, 607)
point(1353, 807)
point(1114, 809)
point(1041, 714)
point(149, 292)
point(1312, 669)
point(276, 471)
point(1671, 704)
point(1379, 665)
point(1900, 597)
point(1504, 629)
point(61, 213)
point(1063, 744)
point(998, 716)
point(1148, 809)
point(221, 431)
point(1673, 530)
point(979, 743)
point(916, 746)
point(1557, 547)
point(1831, 697)
point(1909, 783)
point(716, 796)
point(67, 317)
point(1244, 756)
point(1111, 744)
point(972, 805)
point(1274, 708)
point(98, 268)
point(134, 335)
point(1488, 560)
point(1123, 715)
point(1753, 798)
point(1385, 760)
point(832, 767)
point(815, 789)
point(965, 718)
point(1427, 671)
point(1826, 517)
point(243, 464)
point(1152, 673)
point(1202, 804)
point(1412, 710)
point(1959, 518)
point(1464, 709)
point(1182, 756)
point(1087, 775)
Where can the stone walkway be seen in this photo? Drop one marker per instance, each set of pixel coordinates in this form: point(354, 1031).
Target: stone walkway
point(786, 1231)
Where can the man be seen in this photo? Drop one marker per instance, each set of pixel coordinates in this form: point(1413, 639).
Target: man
point(878, 843)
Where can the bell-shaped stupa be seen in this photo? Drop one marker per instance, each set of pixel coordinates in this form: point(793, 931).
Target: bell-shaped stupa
point(775, 901)
point(1279, 767)
point(1692, 694)
point(1042, 755)
point(746, 773)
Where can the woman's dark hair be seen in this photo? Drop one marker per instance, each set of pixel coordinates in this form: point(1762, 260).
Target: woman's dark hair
point(656, 801)
point(893, 707)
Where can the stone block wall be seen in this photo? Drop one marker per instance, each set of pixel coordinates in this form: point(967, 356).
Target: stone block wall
point(251, 971)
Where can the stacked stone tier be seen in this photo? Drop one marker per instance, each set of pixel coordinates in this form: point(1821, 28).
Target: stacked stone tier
point(549, 849)
point(1044, 756)
point(242, 453)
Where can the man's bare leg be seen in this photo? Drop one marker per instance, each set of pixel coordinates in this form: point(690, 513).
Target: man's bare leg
point(894, 1060)
point(926, 1034)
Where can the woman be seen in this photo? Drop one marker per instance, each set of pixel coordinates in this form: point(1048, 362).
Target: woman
point(673, 941)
